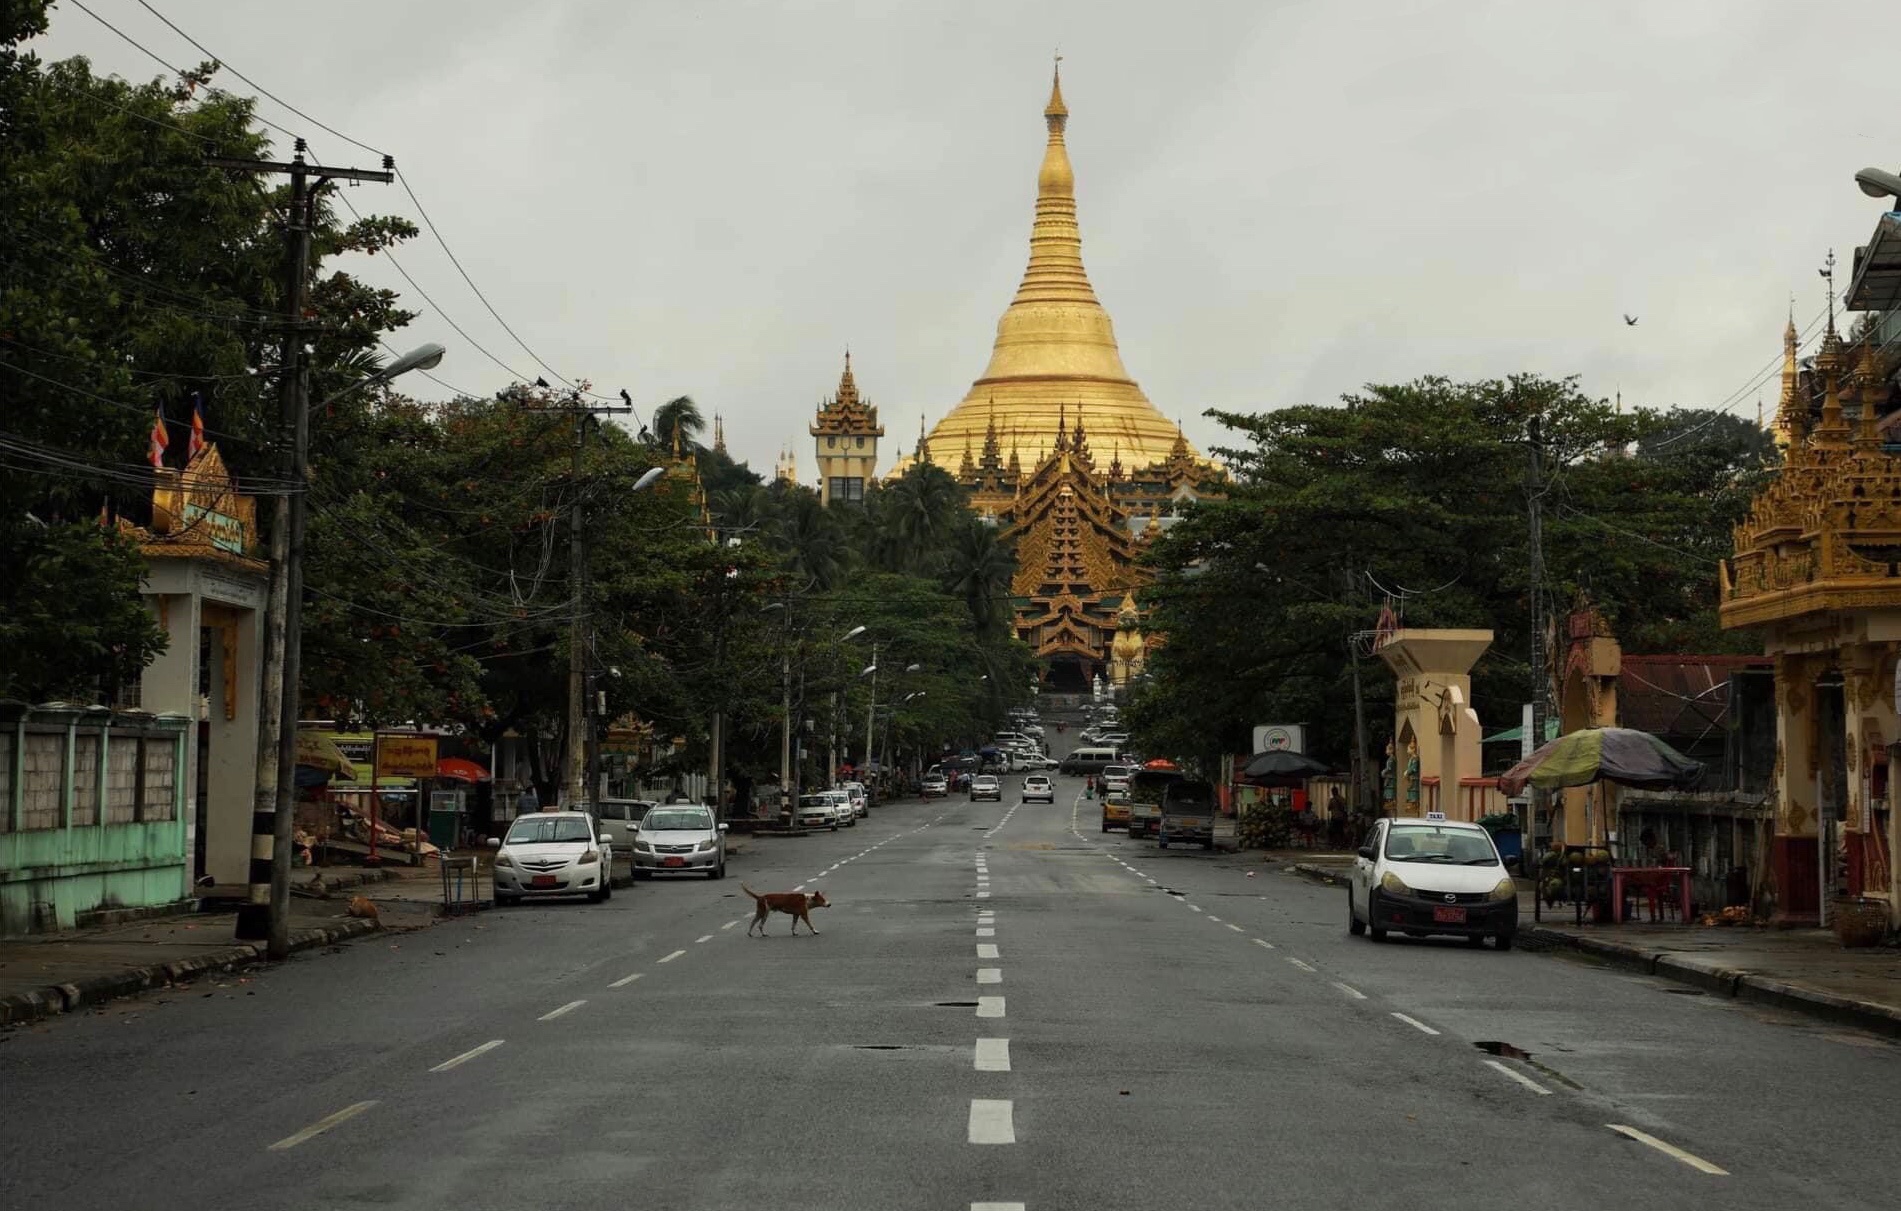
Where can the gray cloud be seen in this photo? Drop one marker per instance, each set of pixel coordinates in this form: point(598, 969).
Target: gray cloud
point(1279, 202)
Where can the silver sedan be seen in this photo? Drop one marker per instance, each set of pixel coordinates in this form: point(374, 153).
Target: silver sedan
point(680, 839)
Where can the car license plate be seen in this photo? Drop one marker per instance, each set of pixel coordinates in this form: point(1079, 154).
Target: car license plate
point(673, 862)
point(1194, 824)
point(542, 881)
point(1448, 916)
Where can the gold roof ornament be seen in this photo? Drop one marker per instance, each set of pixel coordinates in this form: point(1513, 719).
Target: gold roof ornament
point(846, 414)
point(1055, 344)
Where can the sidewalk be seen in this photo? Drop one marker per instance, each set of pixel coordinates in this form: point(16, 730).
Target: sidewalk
point(1805, 970)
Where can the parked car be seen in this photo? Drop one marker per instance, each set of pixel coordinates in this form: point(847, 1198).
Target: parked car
point(843, 806)
point(680, 838)
point(1115, 811)
point(860, 797)
point(1188, 814)
point(986, 786)
point(815, 811)
point(1088, 759)
point(1115, 778)
point(1039, 786)
point(1432, 876)
point(935, 786)
point(1145, 800)
point(620, 819)
point(553, 854)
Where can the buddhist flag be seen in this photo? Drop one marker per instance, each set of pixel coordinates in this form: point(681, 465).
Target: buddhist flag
point(155, 454)
point(197, 444)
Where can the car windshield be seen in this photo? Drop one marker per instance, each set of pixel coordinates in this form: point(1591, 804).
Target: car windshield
point(813, 801)
point(666, 818)
point(1446, 846)
point(540, 830)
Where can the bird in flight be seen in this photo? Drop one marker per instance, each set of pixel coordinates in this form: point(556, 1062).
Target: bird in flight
point(1631, 320)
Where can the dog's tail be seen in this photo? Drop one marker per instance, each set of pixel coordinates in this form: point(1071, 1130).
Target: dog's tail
point(749, 891)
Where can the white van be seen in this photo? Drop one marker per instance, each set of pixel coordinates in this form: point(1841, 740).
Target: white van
point(1087, 760)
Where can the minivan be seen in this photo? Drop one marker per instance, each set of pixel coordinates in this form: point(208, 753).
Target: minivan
point(1188, 813)
point(1087, 760)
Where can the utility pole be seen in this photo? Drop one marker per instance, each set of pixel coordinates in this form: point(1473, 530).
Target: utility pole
point(578, 778)
point(1534, 498)
point(1359, 804)
point(871, 708)
point(266, 911)
point(785, 704)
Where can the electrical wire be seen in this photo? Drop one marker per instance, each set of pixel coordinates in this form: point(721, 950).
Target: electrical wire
point(226, 65)
point(160, 375)
point(141, 409)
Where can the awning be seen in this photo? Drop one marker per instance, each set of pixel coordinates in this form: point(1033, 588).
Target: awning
point(461, 767)
point(1517, 734)
point(317, 751)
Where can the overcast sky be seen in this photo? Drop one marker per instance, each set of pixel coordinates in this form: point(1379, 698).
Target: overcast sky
point(1279, 201)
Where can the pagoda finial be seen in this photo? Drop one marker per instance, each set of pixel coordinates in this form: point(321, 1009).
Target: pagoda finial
point(1792, 410)
point(923, 443)
point(1062, 427)
point(1056, 111)
point(1016, 465)
point(719, 434)
point(1868, 390)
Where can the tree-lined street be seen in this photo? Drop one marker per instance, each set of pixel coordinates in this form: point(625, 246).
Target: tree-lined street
point(1003, 1005)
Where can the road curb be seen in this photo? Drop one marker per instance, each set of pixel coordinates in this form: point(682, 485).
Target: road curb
point(1735, 983)
point(1318, 874)
point(56, 999)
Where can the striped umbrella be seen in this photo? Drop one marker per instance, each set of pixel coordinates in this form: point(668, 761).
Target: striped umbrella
point(1602, 754)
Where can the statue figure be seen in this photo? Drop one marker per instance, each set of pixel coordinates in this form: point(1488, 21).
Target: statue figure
point(1389, 780)
point(1128, 651)
point(1412, 773)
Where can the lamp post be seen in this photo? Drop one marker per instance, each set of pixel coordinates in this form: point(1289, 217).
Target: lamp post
point(584, 757)
point(269, 904)
point(831, 712)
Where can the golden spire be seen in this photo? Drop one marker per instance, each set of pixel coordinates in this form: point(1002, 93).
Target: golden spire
point(923, 443)
point(1792, 411)
point(1868, 390)
point(1833, 430)
point(719, 434)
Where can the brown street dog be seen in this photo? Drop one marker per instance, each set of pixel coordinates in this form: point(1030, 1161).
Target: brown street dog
point(795, 904)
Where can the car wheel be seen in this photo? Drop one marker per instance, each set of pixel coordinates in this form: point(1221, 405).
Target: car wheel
point(1502, 941)
point(1161, 841)
point(502, 901)
point(1475, 940)
point(1105, 826)
point(595, 897)
point(834, 826)
point(1373, 915)
point(1355, 926)
point(607, 888)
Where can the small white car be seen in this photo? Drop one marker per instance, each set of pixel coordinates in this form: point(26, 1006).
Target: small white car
point(935, 786)
point(553, 854)
point(1432, 876)
point(1039, 786)
point(680, 839)
point(815, 811)
point(843, 808)
point(860, 798)
point(1115, 778)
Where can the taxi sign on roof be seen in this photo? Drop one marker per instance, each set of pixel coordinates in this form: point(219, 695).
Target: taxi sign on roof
point(1435, 815)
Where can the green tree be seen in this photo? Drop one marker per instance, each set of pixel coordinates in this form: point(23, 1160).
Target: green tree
point(679, 418)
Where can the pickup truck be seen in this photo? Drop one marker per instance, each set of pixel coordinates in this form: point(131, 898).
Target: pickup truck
point(1188, 814)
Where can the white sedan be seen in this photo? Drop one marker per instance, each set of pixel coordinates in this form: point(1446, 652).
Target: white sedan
point(553, 854)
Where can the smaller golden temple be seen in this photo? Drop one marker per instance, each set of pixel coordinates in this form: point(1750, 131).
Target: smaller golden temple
point(1817, 572)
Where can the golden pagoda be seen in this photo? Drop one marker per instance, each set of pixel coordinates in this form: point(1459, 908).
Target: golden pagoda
point(1055, 348)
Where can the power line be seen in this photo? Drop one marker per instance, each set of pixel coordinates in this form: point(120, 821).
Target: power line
point(142, 409)
point(226, 64)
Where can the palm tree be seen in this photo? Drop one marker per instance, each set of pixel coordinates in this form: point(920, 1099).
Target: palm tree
point(924, 506)
point(812, 540)
point(745, 510)
point(978, 568)
point(681, 414)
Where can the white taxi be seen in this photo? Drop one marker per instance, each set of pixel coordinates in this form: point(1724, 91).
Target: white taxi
point(1432, 876)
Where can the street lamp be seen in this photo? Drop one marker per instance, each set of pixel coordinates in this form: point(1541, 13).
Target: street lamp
point(831, 711)
point(584, 705)
point(1879, 183)
point(266, 914)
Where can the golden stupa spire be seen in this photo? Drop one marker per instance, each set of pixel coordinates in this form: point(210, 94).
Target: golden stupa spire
point(1833, 429)
point(1055, 344)
point(1792, 411)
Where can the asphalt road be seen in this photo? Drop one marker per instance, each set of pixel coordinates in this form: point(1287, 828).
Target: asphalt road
point(1005, 1006)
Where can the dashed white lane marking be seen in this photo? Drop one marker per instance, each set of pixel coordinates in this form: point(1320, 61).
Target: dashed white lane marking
point(468, 1055)
point(1351, 991)
point(320, 1126)
point(986, 933)
point(993, 1055)
point(1262, 944)
point(670, 958)
point(1234, 927)
point(552, 1014)
point(989, 1007)
point(1298, 963)
point(990, 975)
point(1520, 1077)
point(1216, 920)
point(983, 895)
point(800, 887)
point(987, 950)
point(1694, 1162)
point(703, 938)
point(1416, 1024)
point(733, 922)
point(1195, 907)
point(624, 981)
point(991, 1121)
point(1150, 880)
point(996, 1207)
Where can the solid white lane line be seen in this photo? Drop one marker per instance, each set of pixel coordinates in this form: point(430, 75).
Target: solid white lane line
point(468, 1055)
point(1520, 1077)
point(989, 1007)
point(670, 958)
point(624, 981)
point(733, 922)
point(1351, 991)
point(552, 1014)
point(320, 1126)
point(703, 938)
point(1235, 928)
point(1416, 1024)
point(991, 1121)
point(986, 933)
point(993, 1055)
point(987, 950)
point(1298, 963)
point(990, 975)
point(1693, 1161)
